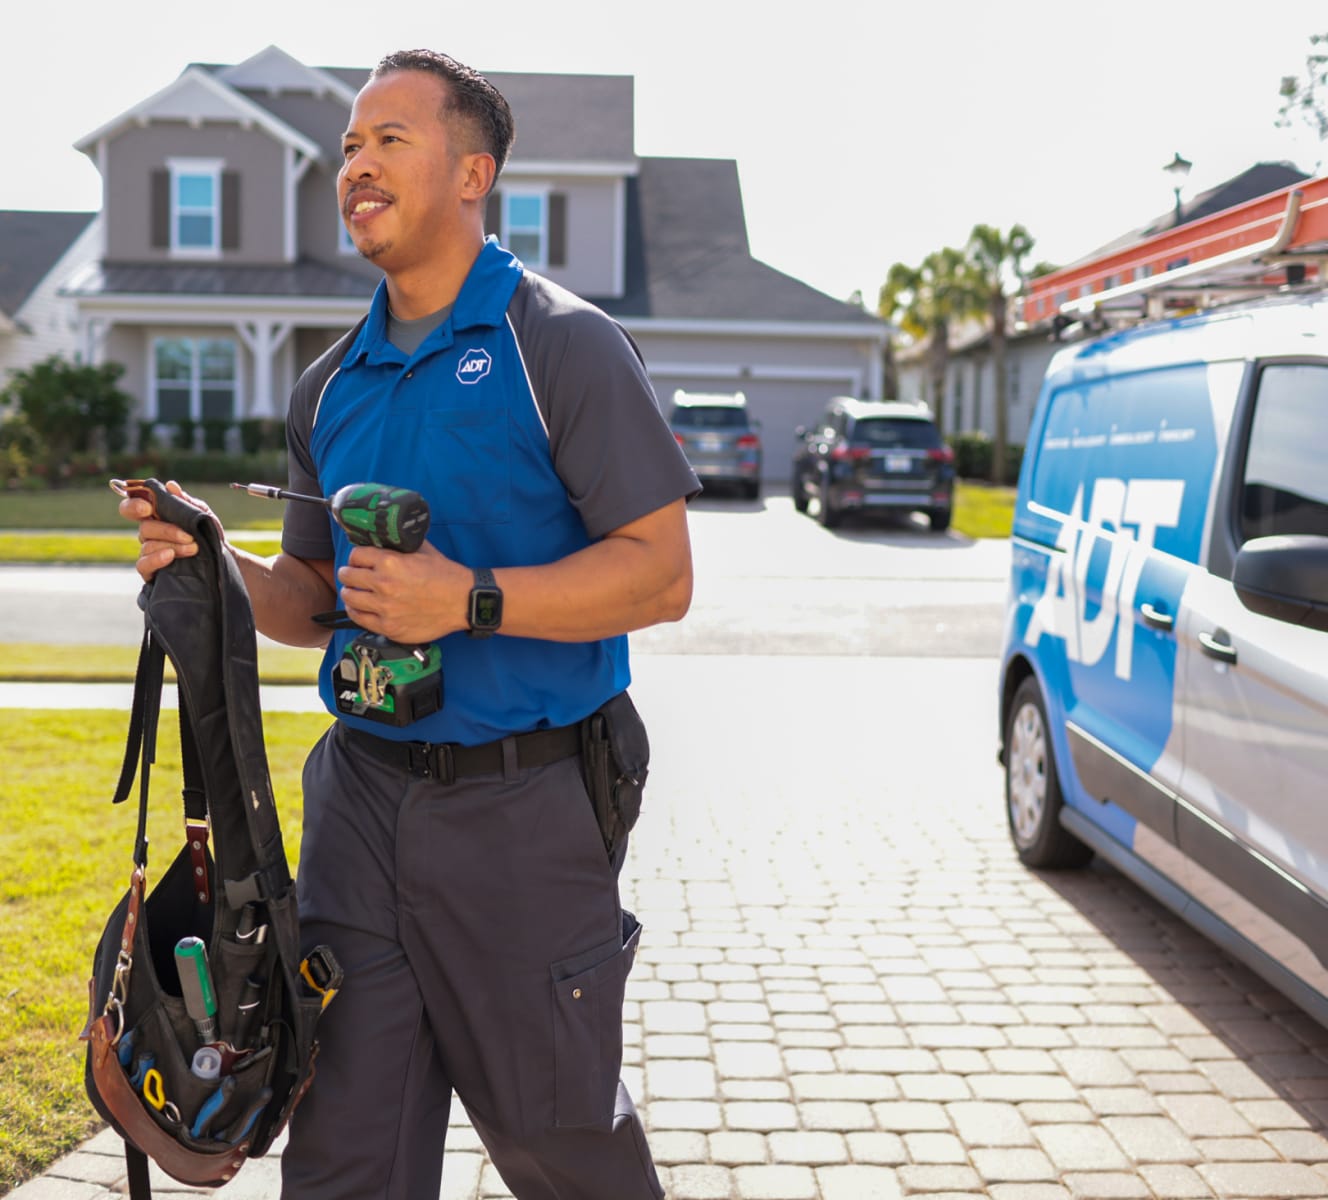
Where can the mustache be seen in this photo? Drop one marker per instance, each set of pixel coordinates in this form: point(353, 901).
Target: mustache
point(355, 195)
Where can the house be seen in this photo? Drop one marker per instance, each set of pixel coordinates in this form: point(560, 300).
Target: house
point(39, 251)
point(226, 268)
point(970, 385)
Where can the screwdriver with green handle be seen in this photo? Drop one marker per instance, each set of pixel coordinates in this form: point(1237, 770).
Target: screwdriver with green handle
point(372, 514)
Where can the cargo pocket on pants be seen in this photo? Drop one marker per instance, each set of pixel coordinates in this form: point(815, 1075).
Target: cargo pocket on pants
point(588, 995)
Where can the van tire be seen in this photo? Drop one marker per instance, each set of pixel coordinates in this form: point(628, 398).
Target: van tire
point(1033, 799)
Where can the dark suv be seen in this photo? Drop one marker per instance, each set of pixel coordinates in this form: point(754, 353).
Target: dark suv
point(719, 438)
point(873, 456)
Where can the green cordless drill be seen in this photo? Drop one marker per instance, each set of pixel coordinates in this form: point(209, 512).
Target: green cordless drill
point(377, 678)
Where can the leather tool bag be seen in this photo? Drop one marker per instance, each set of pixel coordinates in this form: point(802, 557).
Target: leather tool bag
point(229, 886)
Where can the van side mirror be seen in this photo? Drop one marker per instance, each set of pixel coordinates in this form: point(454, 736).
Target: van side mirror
point(1285, 577)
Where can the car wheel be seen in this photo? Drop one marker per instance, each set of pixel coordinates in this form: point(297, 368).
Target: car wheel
point(752, 489)
point(939, 518)
point(829, 515)
point(799, 491)
point(1032, 788)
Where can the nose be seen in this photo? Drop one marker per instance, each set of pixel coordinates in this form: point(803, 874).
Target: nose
point(360, 165)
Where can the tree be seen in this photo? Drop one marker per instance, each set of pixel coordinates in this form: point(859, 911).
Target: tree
point(997, 259)
point(1306, 100)
point(923, 301)
point(69, 407)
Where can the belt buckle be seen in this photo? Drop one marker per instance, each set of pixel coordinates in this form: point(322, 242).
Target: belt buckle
point(428, 761)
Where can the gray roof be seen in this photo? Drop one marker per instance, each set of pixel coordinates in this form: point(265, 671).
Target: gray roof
point(1250, 184)
point(33, 243)
point(688, 257)
point(559, 118)
point(306, 279)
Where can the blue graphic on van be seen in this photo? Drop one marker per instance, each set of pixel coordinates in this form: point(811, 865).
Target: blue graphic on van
point(1110, 517)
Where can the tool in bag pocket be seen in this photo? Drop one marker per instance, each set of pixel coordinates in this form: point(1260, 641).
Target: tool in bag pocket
point(200, 1025)
point(615, 760)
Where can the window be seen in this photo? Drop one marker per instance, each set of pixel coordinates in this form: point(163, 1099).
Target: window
point(195, 215)
point(1285, 489)
point(525, 226)
point(344, 244)
point(195, 379)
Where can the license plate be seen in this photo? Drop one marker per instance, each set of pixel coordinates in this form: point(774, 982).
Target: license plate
point(898, 462)
point(709, 441)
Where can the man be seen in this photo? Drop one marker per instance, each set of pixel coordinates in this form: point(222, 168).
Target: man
point(477, 917)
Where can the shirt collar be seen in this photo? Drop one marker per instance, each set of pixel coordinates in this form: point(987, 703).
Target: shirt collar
point(482, 301)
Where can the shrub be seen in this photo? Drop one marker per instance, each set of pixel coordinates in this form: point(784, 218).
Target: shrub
point(258, 434)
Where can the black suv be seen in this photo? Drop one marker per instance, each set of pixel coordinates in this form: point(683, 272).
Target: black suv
point(873, 456)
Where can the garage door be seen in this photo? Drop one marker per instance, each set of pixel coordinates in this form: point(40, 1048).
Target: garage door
point(780, 405)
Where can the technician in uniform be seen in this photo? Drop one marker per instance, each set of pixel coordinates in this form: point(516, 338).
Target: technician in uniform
point(455, 864)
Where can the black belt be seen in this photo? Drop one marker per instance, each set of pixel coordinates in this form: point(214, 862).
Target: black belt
point(448, 761)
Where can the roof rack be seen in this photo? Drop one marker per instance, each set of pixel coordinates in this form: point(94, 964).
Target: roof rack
point(1270, 243)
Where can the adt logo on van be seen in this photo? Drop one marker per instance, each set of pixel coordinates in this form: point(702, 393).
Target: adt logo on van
point(474, 366)
point(1127, 514)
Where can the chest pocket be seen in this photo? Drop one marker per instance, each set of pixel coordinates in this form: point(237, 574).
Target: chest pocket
point(469, 457)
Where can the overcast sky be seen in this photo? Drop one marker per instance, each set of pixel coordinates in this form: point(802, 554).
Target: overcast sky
point(865, 133)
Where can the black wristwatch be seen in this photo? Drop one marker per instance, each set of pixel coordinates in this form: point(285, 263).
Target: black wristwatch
point(486, 604)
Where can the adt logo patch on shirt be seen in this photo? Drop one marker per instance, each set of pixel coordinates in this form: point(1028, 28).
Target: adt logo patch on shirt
point(474, 366)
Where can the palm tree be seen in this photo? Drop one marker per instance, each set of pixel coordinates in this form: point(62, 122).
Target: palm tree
point(923, 301)
point(995, 257)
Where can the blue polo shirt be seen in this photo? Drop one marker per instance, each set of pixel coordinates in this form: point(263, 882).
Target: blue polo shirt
point(528, 423)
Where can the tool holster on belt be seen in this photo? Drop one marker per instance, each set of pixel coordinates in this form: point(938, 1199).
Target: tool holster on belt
point(615, 758)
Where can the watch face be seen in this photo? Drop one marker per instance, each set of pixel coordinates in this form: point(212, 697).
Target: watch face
point(487, 608)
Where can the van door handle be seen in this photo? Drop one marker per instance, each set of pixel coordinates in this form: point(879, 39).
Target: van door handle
point(1156, 617)
point(1223, 650)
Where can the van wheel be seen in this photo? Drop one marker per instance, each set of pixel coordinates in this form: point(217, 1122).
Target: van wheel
point(1032, 789)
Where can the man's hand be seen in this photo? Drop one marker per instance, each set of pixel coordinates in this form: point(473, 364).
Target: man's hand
point(160, 542)
point(410, 598)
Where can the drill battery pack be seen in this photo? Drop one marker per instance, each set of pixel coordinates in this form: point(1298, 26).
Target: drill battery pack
point(382, 680)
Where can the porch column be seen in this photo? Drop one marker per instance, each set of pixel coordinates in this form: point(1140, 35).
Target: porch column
point(264, 339)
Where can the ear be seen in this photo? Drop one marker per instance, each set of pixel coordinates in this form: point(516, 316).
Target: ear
point(477, 175)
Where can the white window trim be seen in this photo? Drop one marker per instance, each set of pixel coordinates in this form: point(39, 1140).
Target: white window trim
point(526, 192)
point(196, 166)
point(195, 372)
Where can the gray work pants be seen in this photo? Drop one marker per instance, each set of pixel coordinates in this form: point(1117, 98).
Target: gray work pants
point(482, 939)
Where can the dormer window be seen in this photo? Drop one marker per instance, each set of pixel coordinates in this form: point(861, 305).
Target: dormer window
point(195, 209)
point(195, 206)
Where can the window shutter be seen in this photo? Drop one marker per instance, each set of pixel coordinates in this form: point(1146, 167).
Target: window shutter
point(160, 209)
point(493, 213)
point(557, 229)
point(230, 210)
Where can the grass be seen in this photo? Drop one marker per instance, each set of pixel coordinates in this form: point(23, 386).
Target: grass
point(30, 662)
point(982, 510)
point(67, 856)
point(81, 525)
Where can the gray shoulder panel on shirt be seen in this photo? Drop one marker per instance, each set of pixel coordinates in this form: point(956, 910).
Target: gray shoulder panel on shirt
point(610, 444)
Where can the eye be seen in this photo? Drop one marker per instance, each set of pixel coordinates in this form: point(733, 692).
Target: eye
point(349, 149)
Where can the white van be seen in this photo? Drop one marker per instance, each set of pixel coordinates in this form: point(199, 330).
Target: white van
point(1164, 674)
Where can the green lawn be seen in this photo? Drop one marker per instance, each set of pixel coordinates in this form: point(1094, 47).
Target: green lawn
point(67, 855)
point(81, 525)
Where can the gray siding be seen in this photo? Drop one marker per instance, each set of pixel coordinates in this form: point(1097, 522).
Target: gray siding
point(136, 152)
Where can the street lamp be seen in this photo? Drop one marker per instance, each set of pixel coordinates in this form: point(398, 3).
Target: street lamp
point(1178, 168)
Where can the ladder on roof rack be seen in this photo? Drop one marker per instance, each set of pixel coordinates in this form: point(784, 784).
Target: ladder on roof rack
point(1265, 244)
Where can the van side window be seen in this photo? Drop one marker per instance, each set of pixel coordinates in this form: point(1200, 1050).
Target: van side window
point(1285, 485)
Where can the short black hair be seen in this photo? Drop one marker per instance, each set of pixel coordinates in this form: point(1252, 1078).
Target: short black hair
point(469, 96)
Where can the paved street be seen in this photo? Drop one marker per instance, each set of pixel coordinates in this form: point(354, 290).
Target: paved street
point(848, 988)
